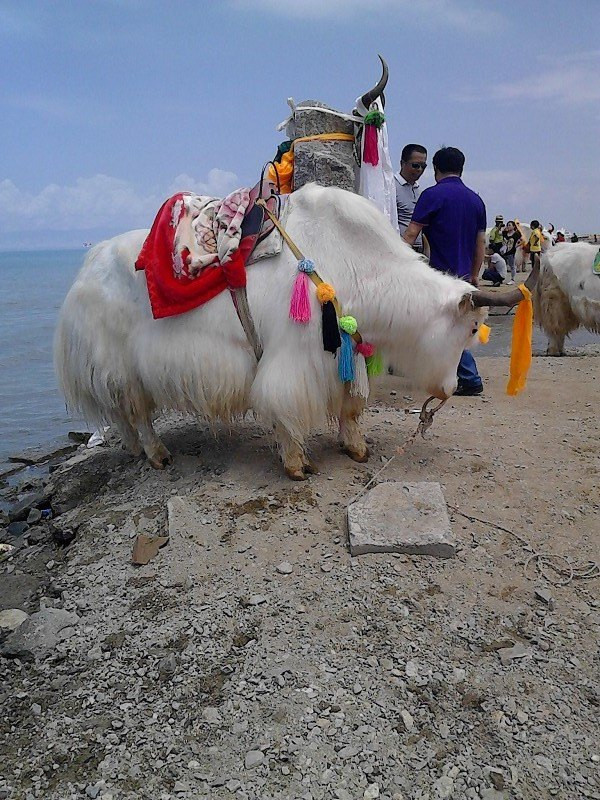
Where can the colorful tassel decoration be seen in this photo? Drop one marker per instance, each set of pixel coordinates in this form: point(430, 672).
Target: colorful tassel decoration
point(300, 301)
point(325, 293)
point(349, 325)
point(373, 122)
point(331, 331)
point(346, 359)
point(375, 118)
point(360, 385)
point(374, 365)
point(370, 147)
point(365, 349)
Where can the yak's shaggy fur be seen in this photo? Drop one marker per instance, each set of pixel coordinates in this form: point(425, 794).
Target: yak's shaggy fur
point(116, 363)
point(567, 295)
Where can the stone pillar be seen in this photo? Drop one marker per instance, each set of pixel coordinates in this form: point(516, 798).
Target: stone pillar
point(327, 163)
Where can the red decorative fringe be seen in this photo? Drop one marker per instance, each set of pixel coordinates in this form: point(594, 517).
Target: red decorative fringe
point(370, 149)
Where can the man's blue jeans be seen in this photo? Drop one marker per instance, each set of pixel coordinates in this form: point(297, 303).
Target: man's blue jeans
point(467, 371)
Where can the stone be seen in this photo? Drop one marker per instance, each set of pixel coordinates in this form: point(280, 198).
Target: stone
point(350, 751)
point(408, 720)
point(411, 669)
point(253, 759)
point(17, 528)
point(167, 667)
point(509, 654)
point(545, 597)
point(21, 509)
point(254, 600)
point(38, 455)
point(329, 163)
point(34, 516)
point(398, 517)
point(285, 568)
point(496, 777)
point(38, 635)
point(79, 437)
point(11, 619)
point(544, 762)
point(371, 792)
point(211, 715)
point(444, 787)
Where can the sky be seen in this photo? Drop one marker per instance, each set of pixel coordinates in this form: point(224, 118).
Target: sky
point(107, 107)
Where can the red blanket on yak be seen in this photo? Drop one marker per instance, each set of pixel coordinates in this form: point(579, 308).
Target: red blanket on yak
point(194, 251)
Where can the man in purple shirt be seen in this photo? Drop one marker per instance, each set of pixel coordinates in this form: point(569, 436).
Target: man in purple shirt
point(452, 218)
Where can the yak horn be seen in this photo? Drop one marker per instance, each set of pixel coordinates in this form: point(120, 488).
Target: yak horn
point(377, 91)
point(510, 299)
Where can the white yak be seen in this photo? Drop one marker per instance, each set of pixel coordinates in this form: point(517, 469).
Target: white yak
point(567, 294)
point(116, 363)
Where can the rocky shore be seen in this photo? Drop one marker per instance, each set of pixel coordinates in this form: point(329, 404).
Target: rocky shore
point(253, 657)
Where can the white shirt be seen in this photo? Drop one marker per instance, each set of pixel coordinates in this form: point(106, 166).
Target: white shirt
point(499, 264)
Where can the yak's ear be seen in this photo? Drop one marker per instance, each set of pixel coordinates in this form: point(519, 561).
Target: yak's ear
point(465, 303)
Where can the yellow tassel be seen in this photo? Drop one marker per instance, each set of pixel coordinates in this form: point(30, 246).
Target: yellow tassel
point(520, 356)
point(484, 333)
point(325, 293)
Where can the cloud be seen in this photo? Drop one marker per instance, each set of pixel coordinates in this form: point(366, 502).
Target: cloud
point(99, 202)
point(219, 183)
point(513, 190)
point(464, 14)
point(571, 80)
point(527, 194)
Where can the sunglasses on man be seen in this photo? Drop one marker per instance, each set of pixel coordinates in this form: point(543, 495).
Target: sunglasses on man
point(417, 165)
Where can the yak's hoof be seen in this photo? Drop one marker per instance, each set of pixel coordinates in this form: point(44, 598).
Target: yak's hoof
point(360, 458)
point(160, 459)
point(310, 468)
point(295, 474)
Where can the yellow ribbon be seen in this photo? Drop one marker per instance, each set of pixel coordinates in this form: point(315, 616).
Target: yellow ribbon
point(520, 355)
point(484, 333)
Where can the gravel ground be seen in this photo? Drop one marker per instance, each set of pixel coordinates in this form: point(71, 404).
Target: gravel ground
point(254, 658)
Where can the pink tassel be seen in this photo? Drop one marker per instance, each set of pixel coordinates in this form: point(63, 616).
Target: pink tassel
point(370, 149)
point(300, 302)
point(365, 349)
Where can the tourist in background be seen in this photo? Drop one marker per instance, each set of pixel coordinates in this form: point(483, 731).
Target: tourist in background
point(510, 237)
point(452, 216)
point(413, 163)
point(495, 240)
point(535, 242)
point(497, 269)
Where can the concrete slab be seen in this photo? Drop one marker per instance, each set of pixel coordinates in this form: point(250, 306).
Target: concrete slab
point(398, 517)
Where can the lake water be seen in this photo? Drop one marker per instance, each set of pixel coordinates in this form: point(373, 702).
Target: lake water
point(32, 288)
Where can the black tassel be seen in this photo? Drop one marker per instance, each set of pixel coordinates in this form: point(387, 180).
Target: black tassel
point(331, 332)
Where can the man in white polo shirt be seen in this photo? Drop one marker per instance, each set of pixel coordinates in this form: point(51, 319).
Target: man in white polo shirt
point(413, 162)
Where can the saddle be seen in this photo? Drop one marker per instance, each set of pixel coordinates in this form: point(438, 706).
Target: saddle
point(199, 246)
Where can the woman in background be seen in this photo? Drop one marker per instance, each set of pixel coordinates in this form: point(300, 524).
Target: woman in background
point(511, 237)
